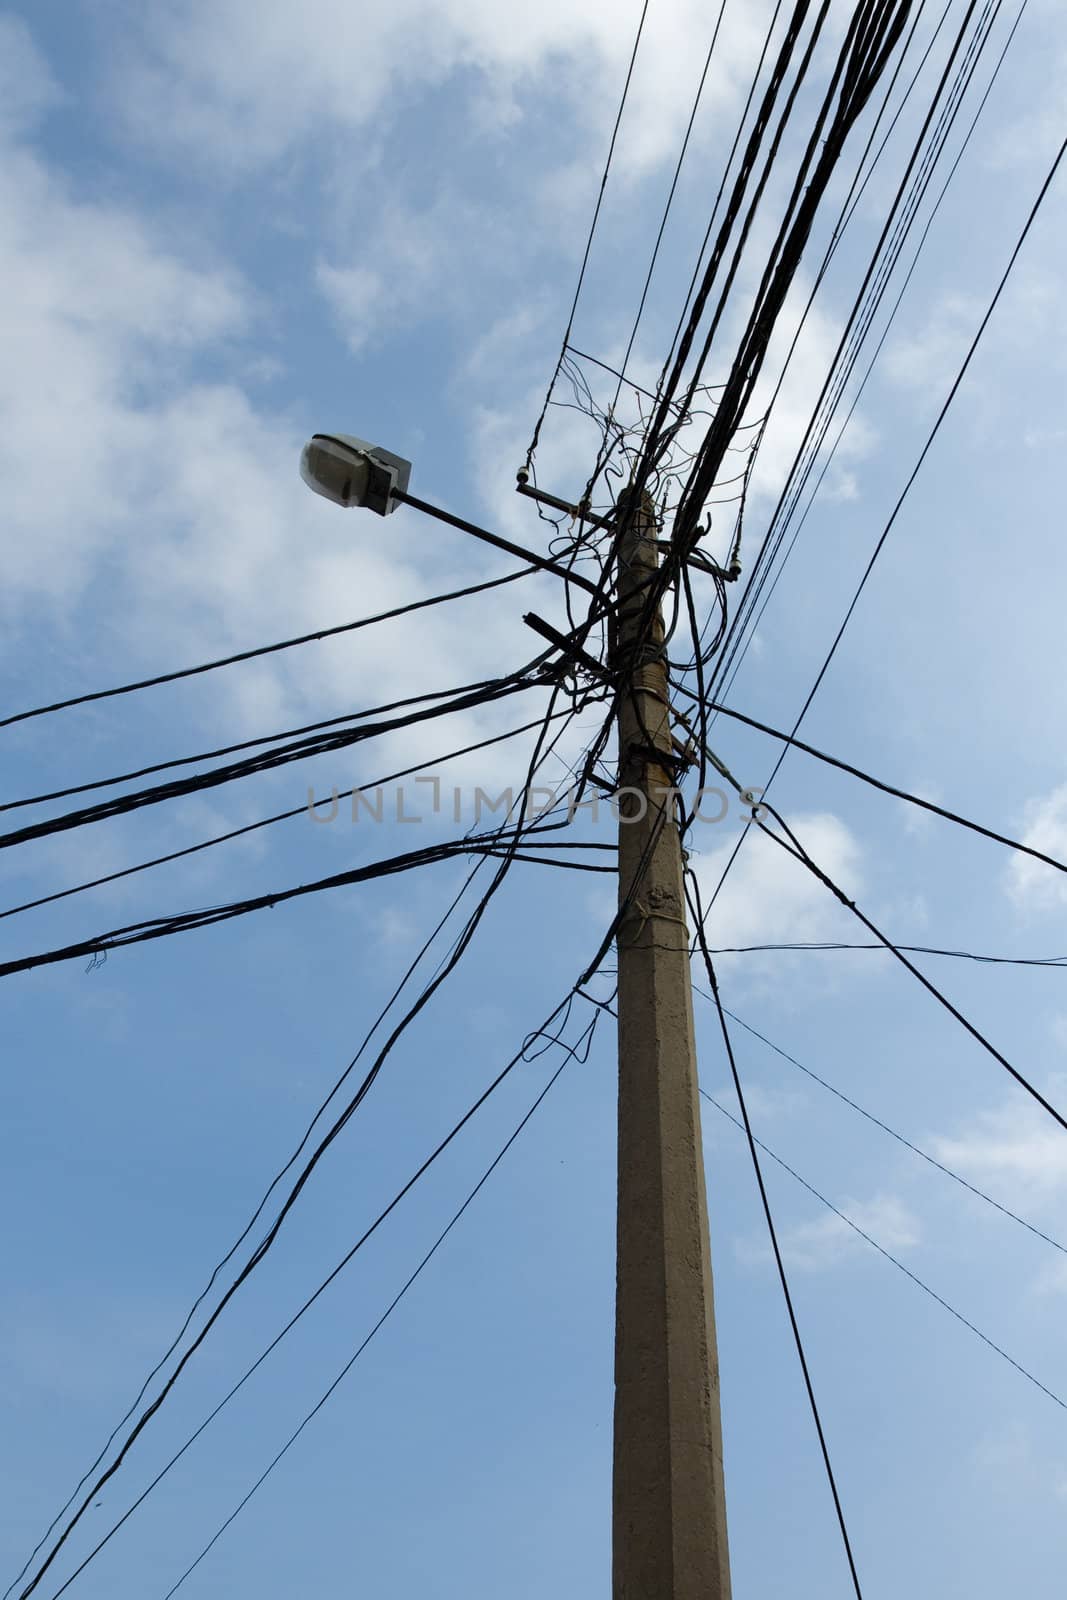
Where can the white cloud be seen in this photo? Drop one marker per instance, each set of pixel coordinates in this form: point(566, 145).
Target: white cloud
point(503, 340)
point(908, 909)
point(499, 436)
point(1039, 128)
point(843, 487)
point(241, 87)
point(27, 87)
point(119, 457)
point(914, 819)
point(769, 897)
point(357, 296)
point(769, 1103)
point(1016, 1151)
point(99, 320)
point(1052, 1279)
point(926, 362)
point(395, 926)
point(122, 462)
point(828, 1240)
point(421, 266)
point(1032, 885)
point(1008, 1450)
point(1043, 438)
point(244, 93)
point(764, 1103)
point(808, 367)
point(1026, 331)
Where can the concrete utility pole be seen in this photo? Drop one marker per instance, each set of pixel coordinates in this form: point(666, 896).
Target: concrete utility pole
point(669, 1508)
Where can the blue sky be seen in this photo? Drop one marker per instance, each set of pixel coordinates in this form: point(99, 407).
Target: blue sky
point(228, 226)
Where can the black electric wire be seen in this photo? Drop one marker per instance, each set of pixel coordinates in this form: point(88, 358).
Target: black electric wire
point(348, 718)
point(209, 916)
point(655, 440)
point(772, 539)
point(893, 1133)
point(332, 1133)
point(548, 861)
point(667, 207)
point(860, 321)
point(746, 167)
point(311, 808)
point(264, 650)
point(301, 1146)
point(589, 240)
point(265, 761)
point(727, 411)
point(439, 1150)
point(693, 896)
point(442, 971)
point(495, 843)
point(913, 949)
point(870, 40)
point(868, 298)
point(730, 666)
point(1034, 209)
point(888, 788)
point(768, 36)
point(657, 437)
point(387, 1313)
point(623, 377)
point(896, 1262)
point(911, 479)
point(794, 848)
point(243, 1235)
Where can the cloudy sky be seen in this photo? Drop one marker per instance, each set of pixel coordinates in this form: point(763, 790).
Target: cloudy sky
point(229, 225)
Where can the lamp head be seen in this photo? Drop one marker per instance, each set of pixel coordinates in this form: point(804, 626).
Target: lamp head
point(351, 472)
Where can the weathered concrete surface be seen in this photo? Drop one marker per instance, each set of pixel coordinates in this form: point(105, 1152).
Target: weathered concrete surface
point(669, 1519)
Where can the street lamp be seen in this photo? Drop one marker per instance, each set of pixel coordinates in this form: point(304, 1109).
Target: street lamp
point(351, 472)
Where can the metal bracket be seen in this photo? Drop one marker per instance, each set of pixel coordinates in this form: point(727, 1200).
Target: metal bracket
point(543, 498)
point(567, 647)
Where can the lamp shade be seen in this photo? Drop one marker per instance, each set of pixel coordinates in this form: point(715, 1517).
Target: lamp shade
point(351, 472)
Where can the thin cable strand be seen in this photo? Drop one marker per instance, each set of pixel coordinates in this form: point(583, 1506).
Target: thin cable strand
point(693, 895)
point(263, 650)
point(894, 1260)
point(954, 390)
point(368, 1233)
point(887, 788)
point(589, 241)
point(413, 1011)
point(311, 808)
point(885, 1128)
point(795, 849)
point(386, 1314)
